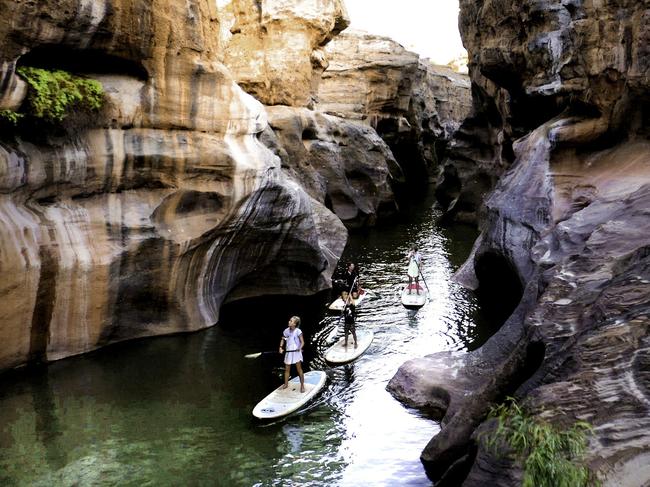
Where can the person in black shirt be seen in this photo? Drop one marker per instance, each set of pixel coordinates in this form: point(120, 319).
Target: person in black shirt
point(351, 278)
point(349, 316)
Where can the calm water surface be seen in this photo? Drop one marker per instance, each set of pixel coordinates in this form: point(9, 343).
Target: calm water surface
point(177, 410)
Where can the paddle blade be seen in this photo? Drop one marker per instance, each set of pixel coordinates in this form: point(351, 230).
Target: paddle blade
point(253, 355)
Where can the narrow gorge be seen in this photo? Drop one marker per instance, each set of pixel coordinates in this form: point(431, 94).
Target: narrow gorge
point(240, 145)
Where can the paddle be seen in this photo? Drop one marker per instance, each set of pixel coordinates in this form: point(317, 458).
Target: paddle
point(335, 330)
point(259, 354)
point(424, 281)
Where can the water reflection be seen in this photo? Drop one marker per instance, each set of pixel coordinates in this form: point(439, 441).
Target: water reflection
point(47, 425)
point(177, 410)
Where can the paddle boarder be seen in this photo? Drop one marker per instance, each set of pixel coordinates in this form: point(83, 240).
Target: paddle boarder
point(293, 341)
point(349, 316)
point(351, 278)
point(413, 271)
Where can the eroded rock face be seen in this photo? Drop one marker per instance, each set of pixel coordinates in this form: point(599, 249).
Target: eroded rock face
point(414, 105)
point(146, 219)
point(275, 47)
point(478, 153)
point(344, 165)
point(276, 53)
point(543, 58)
point(568, 221)
point(367, 76)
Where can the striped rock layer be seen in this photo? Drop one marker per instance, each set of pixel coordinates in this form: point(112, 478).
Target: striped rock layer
point(145, 218)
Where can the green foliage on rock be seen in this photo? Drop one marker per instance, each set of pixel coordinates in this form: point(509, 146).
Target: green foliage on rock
point(10, 116)
point(551, 457)
point(54, 94)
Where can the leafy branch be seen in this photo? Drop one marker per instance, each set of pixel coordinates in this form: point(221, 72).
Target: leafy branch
point(551, 457)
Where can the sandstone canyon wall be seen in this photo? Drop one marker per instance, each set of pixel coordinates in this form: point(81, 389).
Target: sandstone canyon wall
point(415, 106)
point(144, 219)
point(275, 47)
point(343, 164)
point(554, 164)
point(277, 52)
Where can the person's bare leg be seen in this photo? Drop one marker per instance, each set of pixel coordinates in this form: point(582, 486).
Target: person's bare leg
point(301, 375)
point(347, 332)
point(354, 335)
point(410, 283)
point(287, 368)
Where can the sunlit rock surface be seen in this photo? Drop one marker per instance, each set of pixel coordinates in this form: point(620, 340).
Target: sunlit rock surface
point(558, 145)
point(367, 76)
point(415, 106)
point(275, 47)
point(276, 53)
point(145, 218)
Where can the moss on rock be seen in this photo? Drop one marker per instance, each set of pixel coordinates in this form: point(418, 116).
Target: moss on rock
point(53, 95)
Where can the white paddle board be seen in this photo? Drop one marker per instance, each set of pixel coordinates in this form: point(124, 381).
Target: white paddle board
point(285, 401)
point(340, 354)
point(413, 300)
point(338, 304)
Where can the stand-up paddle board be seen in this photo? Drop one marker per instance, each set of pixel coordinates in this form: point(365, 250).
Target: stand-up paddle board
point(410, 297)
point(340, 354)
point(338, 304)
point(285, 401)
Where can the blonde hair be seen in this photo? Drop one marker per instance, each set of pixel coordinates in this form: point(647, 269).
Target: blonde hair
point(296, 319)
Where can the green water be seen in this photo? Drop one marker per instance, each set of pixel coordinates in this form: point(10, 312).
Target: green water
point(177, 410)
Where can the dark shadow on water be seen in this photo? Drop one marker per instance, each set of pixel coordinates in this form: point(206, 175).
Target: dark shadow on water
point(261, 321)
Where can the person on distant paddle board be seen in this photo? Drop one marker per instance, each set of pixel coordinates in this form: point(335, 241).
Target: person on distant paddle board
point(413, 271)
point(351, 278)
point(349, 317)
point(293, 341)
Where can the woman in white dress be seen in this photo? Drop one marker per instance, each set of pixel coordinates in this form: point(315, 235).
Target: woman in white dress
point(413, 270)
point(294, 343)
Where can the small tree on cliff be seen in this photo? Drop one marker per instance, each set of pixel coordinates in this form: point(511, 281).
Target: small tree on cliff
point(550, 456)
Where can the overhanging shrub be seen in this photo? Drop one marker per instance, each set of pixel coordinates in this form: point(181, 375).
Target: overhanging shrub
point(55, 94)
